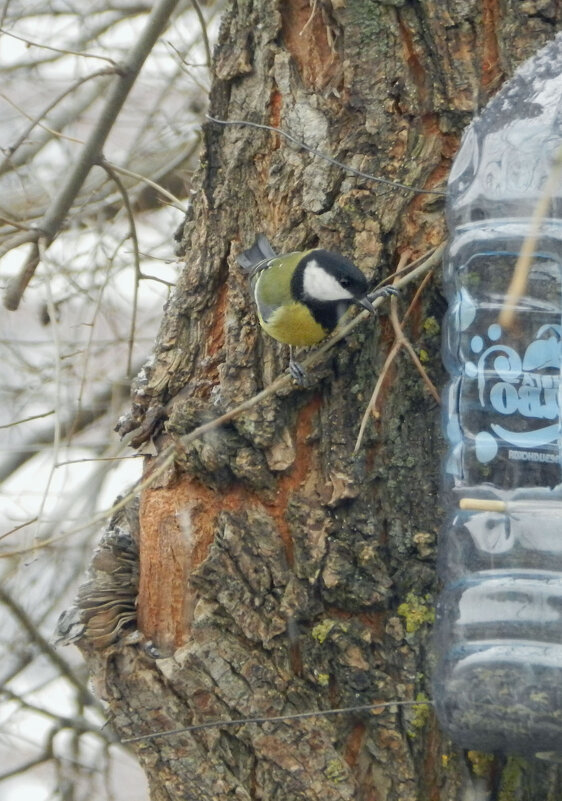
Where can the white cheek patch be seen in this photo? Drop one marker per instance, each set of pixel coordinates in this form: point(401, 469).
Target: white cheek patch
point(320, 285)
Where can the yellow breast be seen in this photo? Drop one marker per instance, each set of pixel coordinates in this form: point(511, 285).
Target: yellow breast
point(293, 324)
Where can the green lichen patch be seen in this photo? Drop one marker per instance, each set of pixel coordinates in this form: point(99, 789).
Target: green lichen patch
point(416, 611)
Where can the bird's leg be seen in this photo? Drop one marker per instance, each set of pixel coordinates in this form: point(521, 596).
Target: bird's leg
point(296, 371)
point(383, 292)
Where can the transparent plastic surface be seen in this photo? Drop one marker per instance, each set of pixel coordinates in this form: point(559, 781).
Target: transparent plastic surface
point(498, 678)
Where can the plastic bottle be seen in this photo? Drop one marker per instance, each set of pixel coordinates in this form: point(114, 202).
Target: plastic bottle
point(498, 675)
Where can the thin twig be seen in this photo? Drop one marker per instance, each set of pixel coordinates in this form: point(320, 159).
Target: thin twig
point(388, 361)
point(42, 125)
point(203, 25)
point(134, 238)
point(32, 763)
point(87, 350)
point(5, 165)
point(523, 265)
point(62, 116)
point(185, 68)
point(15, 287)
point(303, 146)
point(45, 647)
point(319, 713)
point(28, 419)
point(157, 187)
point(400, 341)
point(164, 461)
point(403, 340)
point(23, 661)
point(14, 223)
point(168, 455)
point(4, 12)
point(58, 378)
point(101, 459)
point(374, 397)
point(53, 219)
point(63, 721)
point(76, 420)
point(63, 52)
point(18, 528)
point(83, 501)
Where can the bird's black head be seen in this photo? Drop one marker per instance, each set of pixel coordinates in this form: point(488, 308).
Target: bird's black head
point(327, 284)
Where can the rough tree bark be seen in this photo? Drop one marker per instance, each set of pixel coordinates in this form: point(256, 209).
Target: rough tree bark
point(278, 572)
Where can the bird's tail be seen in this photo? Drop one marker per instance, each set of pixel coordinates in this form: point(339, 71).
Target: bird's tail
point(260, 252)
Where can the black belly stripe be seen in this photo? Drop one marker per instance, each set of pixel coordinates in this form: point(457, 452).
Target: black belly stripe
point(328, 314)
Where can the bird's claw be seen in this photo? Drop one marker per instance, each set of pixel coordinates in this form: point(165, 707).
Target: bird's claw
point(297, 373)
point(384, 292)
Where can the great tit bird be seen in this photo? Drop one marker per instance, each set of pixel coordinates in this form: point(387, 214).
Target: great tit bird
point(301, 296)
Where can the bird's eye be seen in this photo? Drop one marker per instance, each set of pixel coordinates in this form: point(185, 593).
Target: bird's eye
point(345, 282)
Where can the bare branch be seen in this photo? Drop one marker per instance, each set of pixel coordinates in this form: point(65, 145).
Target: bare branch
point(203, 24)
point(7, 164)
point(17, 286)
point(28, 419)
point(157, 187)
point(16, 240)
point(45, 647)
point(91, 152)
point(15, 529)
point(404, 342)
point(133, 234)
point(63, 722)
point(77, 420)
point(400, 341)
point(4, 12)
point(58, 50)
point(32, 763)
point(59, 120)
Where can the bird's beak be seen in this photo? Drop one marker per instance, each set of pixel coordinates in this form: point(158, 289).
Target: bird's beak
point(366, 303)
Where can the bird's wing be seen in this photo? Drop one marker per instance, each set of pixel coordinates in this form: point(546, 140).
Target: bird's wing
point(272, 285)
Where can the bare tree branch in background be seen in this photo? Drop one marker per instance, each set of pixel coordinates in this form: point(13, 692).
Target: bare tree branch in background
point(86, 324)
point(13, 159)
point(76, 421)
point(50, 225)
point(37, 638)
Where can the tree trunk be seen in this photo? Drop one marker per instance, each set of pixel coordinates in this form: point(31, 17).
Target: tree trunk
point(279, 573)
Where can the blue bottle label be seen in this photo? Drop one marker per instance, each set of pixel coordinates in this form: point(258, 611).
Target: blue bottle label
point(518, 386)
point(505, 410)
